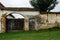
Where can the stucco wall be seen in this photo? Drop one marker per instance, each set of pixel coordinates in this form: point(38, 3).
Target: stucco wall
point(0, 19)
point(43, 24)
point(26, 15)
point(52, 18)
point(23, 12)
point(58, 18)
point(49, 20)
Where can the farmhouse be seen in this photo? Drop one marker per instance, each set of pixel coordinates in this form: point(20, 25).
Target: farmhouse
point(18, 19)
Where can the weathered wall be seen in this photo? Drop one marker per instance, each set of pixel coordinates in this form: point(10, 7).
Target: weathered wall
point(26, 23)
point(58, 20)
point(26, 15)
point(3, 23)
point(43, 24)
point(50, 20)
point(47, 20)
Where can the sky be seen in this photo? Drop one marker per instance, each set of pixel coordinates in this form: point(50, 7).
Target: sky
point(25, 3)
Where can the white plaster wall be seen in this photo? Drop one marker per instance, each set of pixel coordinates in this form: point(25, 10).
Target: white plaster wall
point(0, 20)
point(23, 12)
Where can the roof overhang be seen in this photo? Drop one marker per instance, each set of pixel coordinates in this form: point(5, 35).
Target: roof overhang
point(19, 9)
point(1, 6)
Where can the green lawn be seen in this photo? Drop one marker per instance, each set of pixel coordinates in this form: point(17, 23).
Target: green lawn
point(32, 35)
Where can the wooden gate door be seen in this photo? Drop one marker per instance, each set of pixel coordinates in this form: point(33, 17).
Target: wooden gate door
point(31, 24)
point(15, 24)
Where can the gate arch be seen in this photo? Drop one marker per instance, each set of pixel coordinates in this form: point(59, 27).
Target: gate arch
point(14, 22)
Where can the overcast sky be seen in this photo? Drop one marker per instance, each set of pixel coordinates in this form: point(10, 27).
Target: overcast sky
point(24, 3)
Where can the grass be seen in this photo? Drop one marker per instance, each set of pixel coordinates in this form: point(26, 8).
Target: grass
point(50, 34)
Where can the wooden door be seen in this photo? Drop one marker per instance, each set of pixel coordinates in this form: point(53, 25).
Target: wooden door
point(14, 24)
point(31, 24)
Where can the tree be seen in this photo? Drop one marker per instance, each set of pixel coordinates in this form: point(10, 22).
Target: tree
point(44, 5)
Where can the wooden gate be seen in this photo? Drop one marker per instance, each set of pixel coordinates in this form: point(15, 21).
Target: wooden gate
point(32, 24)
point(14, 24)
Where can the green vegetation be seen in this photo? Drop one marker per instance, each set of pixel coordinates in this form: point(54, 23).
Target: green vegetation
point(50, 34)
point(44, 5)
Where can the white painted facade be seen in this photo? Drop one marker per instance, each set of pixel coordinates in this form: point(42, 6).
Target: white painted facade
point(23, 12)
point(0, 19)
point(50, 21)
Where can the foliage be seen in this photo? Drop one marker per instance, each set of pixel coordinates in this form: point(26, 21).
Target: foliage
point(44, 5)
